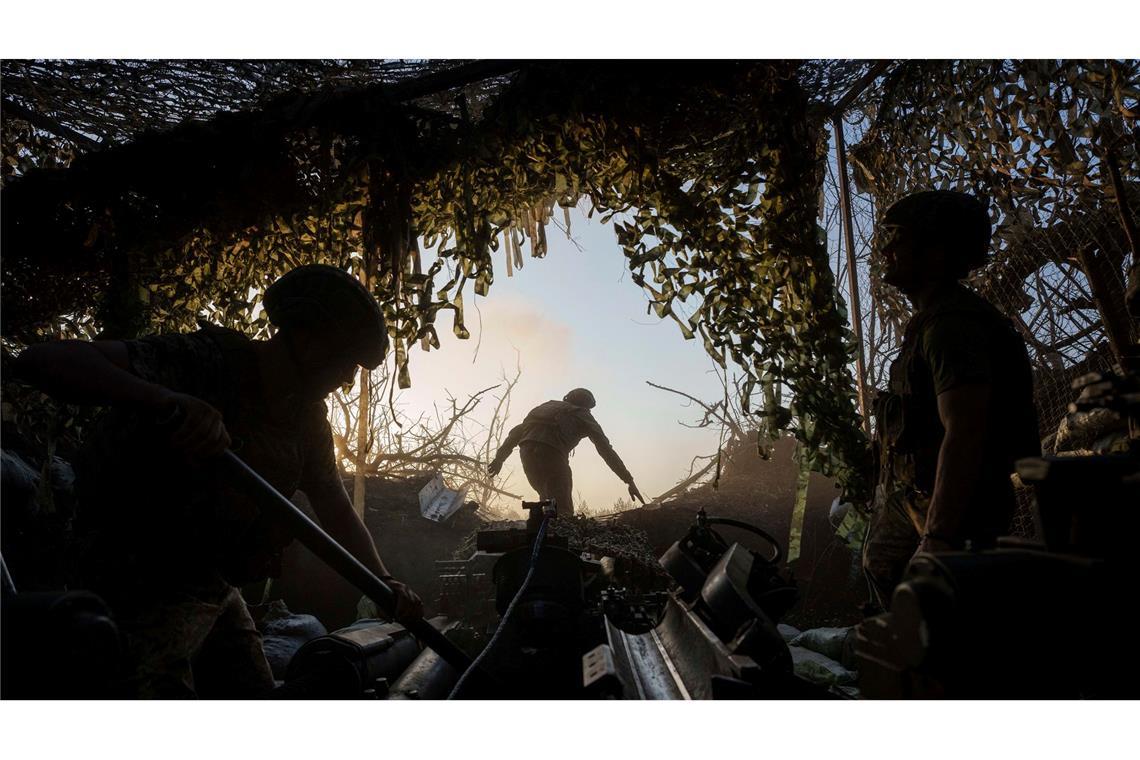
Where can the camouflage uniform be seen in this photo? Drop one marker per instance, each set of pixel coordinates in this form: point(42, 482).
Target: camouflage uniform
point(545, 439)
point(171, 540)
point(958, 339)
point(193, 640)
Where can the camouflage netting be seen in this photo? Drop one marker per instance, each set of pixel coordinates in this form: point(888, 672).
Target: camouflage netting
point(1054, 146)
point(1041, 139)
point(141, 195)
point(125, 215)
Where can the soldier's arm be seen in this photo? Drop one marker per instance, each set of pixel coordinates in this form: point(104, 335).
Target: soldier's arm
point(955, 347)
point(100, 373)
point(321, 483)
point(508, 445)
point(83, 372)
point(963, 411)
point(334, 511)
point(605, 449)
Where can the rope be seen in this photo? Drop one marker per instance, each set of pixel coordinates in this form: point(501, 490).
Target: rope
point(510, 609)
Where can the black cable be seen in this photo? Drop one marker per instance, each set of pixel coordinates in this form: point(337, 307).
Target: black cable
point(510, 609)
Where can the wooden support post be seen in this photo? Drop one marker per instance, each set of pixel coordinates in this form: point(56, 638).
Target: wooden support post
point(387, 235)
point(1122, 205)
point(374, 234)
point(1127, 223)
point(358, 482)
point(852, 273)
point(1110, 303)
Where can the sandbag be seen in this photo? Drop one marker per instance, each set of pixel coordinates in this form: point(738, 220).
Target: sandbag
point(815, 667)
point(787, 632)
point(830, 642)
point(283, 633)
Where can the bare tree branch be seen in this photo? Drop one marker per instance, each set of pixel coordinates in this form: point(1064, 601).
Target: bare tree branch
point(715, 411)
point(445, 439)
point(687, 483)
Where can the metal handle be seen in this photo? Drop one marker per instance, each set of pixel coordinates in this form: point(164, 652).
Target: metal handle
point(320, 543)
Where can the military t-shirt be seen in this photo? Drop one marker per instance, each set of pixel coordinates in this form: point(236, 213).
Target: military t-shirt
point(961, 339)
point(150, 511)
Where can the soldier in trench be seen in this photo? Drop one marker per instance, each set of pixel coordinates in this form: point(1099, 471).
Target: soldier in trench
point(170, 540)
point(545, 439)
point(959, 410)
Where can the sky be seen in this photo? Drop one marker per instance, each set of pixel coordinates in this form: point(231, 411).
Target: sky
point(577, 320)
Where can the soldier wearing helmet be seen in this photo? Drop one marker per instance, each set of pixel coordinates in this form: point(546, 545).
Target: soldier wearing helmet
point(170, 540)
point(959, 410)
point(545, 439)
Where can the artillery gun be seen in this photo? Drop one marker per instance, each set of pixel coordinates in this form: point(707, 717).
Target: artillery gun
point(558, 624)
point(540, 621)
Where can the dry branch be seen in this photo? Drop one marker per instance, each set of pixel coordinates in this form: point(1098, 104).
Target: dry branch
point(446, 440)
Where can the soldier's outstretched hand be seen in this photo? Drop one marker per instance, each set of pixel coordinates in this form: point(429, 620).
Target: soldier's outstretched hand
point(494, 467)
point(635, 494)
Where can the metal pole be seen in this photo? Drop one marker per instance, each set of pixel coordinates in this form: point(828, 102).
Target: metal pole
point(852, 275)
point(337, 557)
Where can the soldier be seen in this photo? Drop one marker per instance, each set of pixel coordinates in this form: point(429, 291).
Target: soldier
point(170, 539)
point(959, 410)
point(545, 439)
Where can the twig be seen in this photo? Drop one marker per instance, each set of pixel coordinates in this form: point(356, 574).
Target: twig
point(712, 411)
point(684, 484)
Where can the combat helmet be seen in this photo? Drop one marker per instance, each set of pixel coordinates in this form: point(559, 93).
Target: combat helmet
point(580, 397)
point(959, 220)
point(322, 296)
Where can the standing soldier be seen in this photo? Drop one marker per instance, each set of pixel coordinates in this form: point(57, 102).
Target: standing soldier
point(545, 439)
point(959, 411)
point(171, 541)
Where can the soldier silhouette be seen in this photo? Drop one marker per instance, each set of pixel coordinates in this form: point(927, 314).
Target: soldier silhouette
point(545, 439)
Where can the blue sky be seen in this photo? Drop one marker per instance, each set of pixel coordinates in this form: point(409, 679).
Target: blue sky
point(577, 319)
